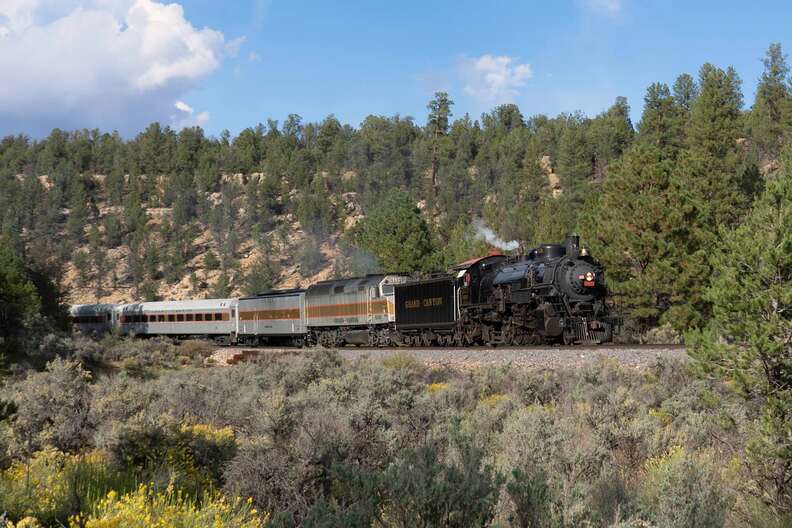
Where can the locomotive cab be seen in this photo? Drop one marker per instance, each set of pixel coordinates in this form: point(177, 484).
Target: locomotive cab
point(475, 278)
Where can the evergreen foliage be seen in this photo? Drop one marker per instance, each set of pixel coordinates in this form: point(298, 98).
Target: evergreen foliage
point(771, 113)
point(261, 277)
point(747, 342)
point(396, 234)
point(19, 299)
point(633, 226)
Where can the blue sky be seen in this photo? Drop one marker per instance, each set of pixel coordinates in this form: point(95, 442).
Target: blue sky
point(352, 59)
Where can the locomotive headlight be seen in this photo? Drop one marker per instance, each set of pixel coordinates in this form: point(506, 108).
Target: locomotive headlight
point(589, 276)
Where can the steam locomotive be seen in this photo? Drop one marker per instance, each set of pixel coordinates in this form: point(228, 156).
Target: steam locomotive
point(555, 293)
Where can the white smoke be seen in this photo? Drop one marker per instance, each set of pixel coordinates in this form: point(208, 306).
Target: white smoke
point(484, 232)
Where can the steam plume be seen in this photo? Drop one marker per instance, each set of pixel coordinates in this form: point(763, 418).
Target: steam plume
point(482, 231)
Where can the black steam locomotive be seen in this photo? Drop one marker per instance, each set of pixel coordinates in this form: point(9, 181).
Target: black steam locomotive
point(554, 293)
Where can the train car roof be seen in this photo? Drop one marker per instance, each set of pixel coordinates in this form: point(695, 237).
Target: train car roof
point(193, 304)
point(354, 282)
point(472, 262)
point(274, 293)
point(90, 308)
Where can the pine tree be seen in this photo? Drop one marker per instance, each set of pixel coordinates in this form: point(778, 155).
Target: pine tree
point(78, 211)
point(17, 292)
point(316, 212)
point(708, 188)
point(82, 265)
point(135, 218)
point(98, 257)
point(437, 126)
point(575, 154)
point(261, 276)
point(149, 290)
point(113, 230)
point(114, 186)
point(663, 120)
point(768, 118)
point(685, 92)
point(715, 121)
point(221, 289)
point(631, 226)
point(748, 339)
point(609, 135)
point(396, 234)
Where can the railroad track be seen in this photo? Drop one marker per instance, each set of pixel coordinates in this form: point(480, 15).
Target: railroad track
point(532, 357)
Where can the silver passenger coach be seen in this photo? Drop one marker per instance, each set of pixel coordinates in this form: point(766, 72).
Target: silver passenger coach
point(276, 316)
point(207, 317)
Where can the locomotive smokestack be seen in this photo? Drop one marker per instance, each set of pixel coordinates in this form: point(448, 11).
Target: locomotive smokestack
point(572, 245)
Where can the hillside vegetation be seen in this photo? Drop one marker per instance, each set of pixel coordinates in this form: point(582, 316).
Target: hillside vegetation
point(690, 211)
point(316, 441)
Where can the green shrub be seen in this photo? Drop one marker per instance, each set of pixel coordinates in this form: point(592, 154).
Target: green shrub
point(190, 456)
point(421, 490)
point(146, 507)
point(52, 486)
point(52, 409)
point(683, 489)
point(532, 500)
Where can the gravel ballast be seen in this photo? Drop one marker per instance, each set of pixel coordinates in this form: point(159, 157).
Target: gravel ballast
point(634, 356)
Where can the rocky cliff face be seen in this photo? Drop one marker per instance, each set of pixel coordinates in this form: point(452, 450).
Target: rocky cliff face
point(553, 181)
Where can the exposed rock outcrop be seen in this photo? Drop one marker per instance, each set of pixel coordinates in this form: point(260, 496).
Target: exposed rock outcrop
point(553, 181)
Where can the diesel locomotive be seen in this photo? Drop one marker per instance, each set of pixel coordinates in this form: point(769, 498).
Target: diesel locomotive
point(555, 293)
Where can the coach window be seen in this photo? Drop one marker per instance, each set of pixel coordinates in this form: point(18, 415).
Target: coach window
point(161, 318)
point(199, 317)
point(171, 318)
point(180, 318)
point(190, 317)
point(218, 317)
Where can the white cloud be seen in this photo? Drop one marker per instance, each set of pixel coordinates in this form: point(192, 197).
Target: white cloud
point(184, 107)
point(232, 46)
point(607, 7)
point(254, 57)
point(100, 63)
point(494, 79)
point(187, 116)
